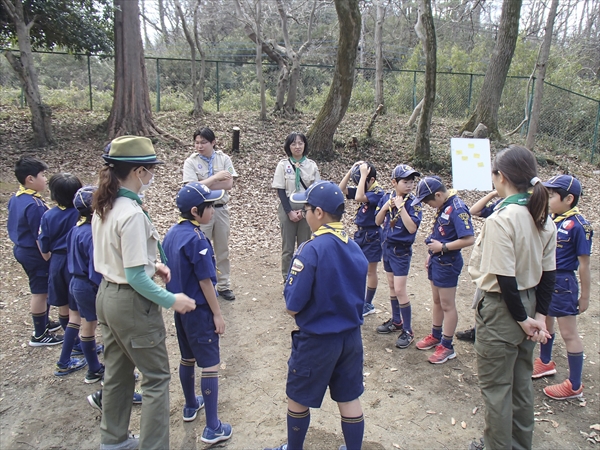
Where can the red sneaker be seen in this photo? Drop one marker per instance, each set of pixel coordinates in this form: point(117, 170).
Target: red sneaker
point(427, 342)
point(442, 354)
point(543, 370)
point(563, 391)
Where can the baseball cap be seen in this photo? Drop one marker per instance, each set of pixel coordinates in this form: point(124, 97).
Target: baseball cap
point(567, 182)
point(131, 149)
point(83, 198)
point(355, 172)
point(194, 194)
point(426, 186)
point(404, 171)
point(324, 194)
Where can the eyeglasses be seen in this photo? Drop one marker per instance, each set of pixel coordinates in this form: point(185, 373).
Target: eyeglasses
point(304, 211)
point(297, 144)
point(201, 142)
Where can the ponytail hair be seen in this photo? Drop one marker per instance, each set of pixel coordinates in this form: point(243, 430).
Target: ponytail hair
point(519, 167)
point(109, 182)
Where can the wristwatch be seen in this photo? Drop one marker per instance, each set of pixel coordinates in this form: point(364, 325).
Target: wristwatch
point(444, 249)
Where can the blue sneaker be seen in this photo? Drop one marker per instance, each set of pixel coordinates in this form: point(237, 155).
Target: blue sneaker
point(78, 352)
point(73, 365)
point(137, 398)
point(189, 414)
point(281, 447)
point(368, 308)
point(222, 433)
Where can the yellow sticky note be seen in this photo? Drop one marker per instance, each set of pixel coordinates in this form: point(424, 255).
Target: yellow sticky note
point(464, 158)
point(471, 145)
point(480, 164)
point(459, 152)
point(476, 155)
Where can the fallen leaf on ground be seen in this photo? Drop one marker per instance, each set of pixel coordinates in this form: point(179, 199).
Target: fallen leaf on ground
point(453, 421)
point(463, 424)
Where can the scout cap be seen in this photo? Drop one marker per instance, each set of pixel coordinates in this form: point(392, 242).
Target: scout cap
point(324, 194)
point(194, 194)
point(426, 186)
point(567, 182)
point(355, 172)
point(131, 149)
point(83, 198)
point(404, 171)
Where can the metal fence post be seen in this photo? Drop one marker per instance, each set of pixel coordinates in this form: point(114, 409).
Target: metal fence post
point(470, 93)
point(595, 139)
point(414, 89)
point(90, 82)
point(218, 93)
point(157, 85)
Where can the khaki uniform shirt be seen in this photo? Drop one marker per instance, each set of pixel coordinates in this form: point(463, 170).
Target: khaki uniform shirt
point(510, 245)
point(124, 239)
point(196, 169)
point(285, 175)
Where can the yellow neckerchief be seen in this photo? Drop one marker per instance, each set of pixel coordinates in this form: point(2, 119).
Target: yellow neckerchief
point(62, 208)
point(451, 193)
point(82, 220)
point(335, 228)
point(374, 187)
point(181, 220)
point(572, 212)
point(392, 205)
point(23, 190)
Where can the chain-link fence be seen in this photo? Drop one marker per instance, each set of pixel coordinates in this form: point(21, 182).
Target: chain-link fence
point(567, 119)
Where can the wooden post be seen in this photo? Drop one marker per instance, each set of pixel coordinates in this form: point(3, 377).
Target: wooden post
point(235, 145)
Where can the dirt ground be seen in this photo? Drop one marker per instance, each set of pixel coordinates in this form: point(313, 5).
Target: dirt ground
point(408, 403)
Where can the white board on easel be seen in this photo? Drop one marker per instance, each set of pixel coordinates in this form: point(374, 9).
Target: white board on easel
point(471, 164)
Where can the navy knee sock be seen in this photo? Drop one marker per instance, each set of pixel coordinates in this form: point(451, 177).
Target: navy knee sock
point(436, 331)
point(71, 333)
point(353, 429)
point(396, 318)
point(88, 347)
point(187, 379)
point(447, 341)
point(546, 350)
point(297, 426)
point(209, 384)
point(406, 313)
point(370, 294)
point(64, 321)
point(575, 369)
point(40, 322)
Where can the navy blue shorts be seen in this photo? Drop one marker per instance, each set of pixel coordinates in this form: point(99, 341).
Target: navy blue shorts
point(565, 298)
point(334, 360)
point(396, 258)
point(84, 292)
point(369, 241)
point(59, 279)
point(35, 266)
point(196, 336)
point(444, 269)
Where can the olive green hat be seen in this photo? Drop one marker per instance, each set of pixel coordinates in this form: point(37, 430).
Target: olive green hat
point(131, 149)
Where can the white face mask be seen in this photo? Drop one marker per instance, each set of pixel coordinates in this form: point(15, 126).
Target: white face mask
point(146, 186)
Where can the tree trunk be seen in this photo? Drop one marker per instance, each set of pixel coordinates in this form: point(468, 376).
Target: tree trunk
point(259, 68)
point(379, 100)
point(486, 111)
point(534, 119)
point(41, 114)
point(422, 143)
point(131, 112)
point(199, 98)
point(282, 86)
point(320, 135)
point(290, 104)
point(163, 26)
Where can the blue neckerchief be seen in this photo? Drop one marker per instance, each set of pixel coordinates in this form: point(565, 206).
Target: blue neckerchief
point(209, 161)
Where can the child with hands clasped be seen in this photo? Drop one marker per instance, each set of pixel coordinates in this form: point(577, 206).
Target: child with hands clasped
point(368, 236)
point(452, 231)
point(573, 249)
point(401, 216)
point(513, 265)
point(192, 261)
point(324, 292)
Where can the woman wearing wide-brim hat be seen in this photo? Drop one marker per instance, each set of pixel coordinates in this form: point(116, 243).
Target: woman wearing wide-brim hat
point(126, 247)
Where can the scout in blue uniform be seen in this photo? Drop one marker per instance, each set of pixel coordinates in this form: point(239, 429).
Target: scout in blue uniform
point(54, 227)
point(401, 217)
point(25, 210)
point(452, 231)
point(368, 236)
point(192, 262)
point(573, 250)
point(327, 349)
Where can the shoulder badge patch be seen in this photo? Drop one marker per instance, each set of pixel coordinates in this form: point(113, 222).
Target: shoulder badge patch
point(568, 224)
point(297, 265)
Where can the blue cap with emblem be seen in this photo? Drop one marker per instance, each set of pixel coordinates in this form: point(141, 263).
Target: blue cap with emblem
point(567, 182)
point(404, 171)
point(324, 194)
point(426, 186)
point(194, 194)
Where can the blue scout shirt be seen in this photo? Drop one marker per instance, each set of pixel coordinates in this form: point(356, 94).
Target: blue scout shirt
point(80, 257)
point(326, 282)
point(399, 234)
point(191, 259)
point(573, 239)
point(54, 227)
point(489, 208)
point(25, 210)
point(365, 216)
point(452, 222)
